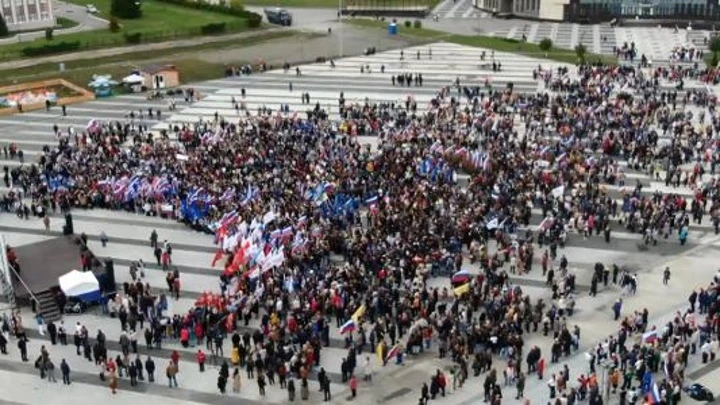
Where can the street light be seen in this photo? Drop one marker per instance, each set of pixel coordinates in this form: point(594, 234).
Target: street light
point(340, 15)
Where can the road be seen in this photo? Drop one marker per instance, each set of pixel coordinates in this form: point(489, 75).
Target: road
point(86, 22)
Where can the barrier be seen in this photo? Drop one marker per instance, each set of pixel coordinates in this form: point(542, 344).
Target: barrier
point(82, 94)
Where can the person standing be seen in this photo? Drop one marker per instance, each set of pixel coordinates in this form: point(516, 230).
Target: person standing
point(237, 382)
point(52, 331)
point(353, 385)
point(50, 370)
point(62, 334)
point(201, 357)
point(22, 346)
point(112, 381)
point(261, 383)
point(65, 370)
point(666, 275)
point(150, 368)
point(291, 390)
point(40, 323)
point(132, 372)
point(221, 383)
point(171, 372)
point(520, 385)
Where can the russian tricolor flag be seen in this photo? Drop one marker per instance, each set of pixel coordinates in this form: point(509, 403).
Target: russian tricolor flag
point(649, 337)
point(392, 352)
point(654, 395)
point(348, 327)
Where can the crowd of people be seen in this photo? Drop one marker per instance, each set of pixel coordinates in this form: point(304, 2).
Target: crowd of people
point(286, 194)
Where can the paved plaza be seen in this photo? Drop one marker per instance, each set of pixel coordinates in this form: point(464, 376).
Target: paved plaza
point(692, 264)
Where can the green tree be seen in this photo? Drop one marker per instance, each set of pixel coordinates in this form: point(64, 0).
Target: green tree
point(714, 47)
point(580, 51)
point(3, 27)
point(545, 44)
point(127, 9)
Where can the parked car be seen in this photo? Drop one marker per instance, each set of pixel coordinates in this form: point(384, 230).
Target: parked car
point(699, 392)
point(90, 8)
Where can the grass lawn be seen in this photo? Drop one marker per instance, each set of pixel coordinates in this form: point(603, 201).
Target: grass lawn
point(160, 22)
point(496, 43)
point(192, 69)
point(64, 23)
point(335, 3)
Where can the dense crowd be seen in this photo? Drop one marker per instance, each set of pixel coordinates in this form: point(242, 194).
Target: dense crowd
point(287, 195)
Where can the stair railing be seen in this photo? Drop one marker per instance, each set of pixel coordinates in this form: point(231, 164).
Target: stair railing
point(32, 296)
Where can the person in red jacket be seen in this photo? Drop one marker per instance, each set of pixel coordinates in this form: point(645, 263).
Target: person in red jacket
point(185, 336)
point(353, 385)
point(199, 333)
point(541, 368)
point(201, 360)
point(175, 357)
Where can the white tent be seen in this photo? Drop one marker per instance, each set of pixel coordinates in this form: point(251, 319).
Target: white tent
point(134, 79)
point(81, 285)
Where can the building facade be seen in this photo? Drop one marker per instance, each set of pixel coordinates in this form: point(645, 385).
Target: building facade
point(591, 10)
point(587, 11)
point(23, 15)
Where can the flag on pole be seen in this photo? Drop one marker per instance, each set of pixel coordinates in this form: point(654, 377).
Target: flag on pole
point(392, 352)
point(463, 289)
point(649, 337)
point(348, 327)
point(358, 313)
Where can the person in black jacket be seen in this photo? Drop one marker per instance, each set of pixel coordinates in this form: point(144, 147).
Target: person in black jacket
point(221, 383)
point(52, 331)
point(22, 345)
point(150, 368)
point(65, 370)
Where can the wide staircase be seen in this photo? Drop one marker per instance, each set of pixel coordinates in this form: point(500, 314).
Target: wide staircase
point(47, 306)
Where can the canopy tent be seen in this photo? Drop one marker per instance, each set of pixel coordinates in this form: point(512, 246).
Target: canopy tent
point(134, 79)
point(81, 285)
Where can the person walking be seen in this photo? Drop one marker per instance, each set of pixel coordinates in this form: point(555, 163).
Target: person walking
point(666, 275)
point(65, 370)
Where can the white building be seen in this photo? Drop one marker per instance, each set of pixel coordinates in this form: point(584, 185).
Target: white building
point(23, 15)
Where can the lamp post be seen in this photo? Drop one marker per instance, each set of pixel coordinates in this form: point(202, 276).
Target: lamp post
point(340, 29)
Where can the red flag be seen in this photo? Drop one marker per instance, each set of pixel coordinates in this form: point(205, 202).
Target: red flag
point(218, 255)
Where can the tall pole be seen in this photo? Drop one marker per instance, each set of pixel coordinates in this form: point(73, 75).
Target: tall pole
point(340, 14)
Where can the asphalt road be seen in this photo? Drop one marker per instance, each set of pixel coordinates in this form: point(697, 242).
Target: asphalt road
point(73, 12)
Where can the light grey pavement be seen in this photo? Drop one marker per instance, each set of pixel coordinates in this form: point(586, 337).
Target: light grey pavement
point(85, 20)
point(693, 265)
point(457, 9)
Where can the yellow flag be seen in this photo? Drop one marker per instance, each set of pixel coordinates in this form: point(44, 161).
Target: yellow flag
point(358, 313)
point(463, 289)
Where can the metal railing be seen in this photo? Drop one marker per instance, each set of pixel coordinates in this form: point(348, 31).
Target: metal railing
point(32, 296)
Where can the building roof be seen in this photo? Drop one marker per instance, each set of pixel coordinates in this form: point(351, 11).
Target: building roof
point(154, 69)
